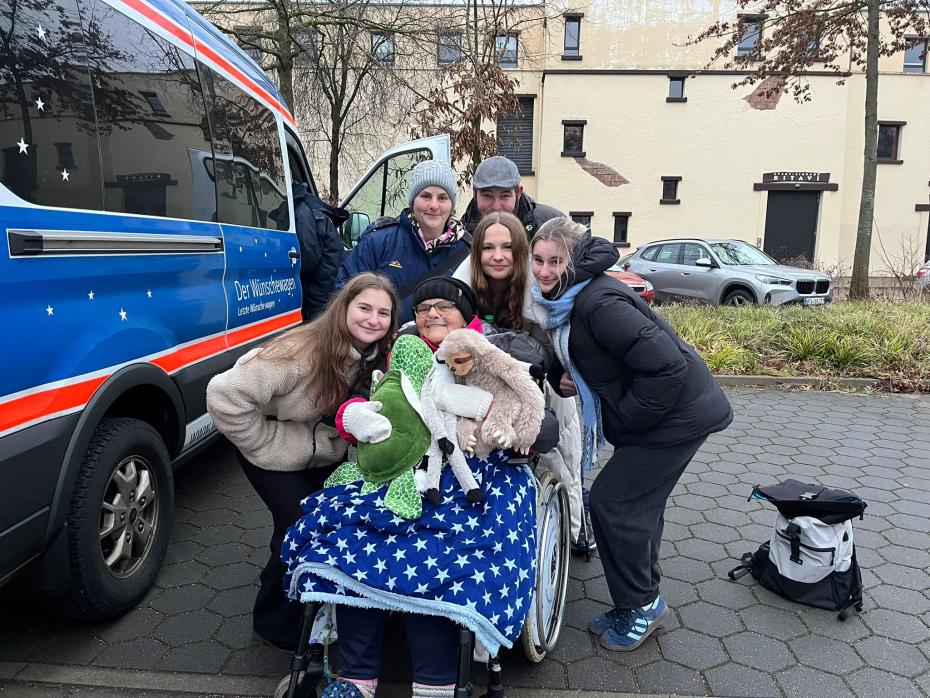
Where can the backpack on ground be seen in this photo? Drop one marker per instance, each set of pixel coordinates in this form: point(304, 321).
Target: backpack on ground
point(811, 557)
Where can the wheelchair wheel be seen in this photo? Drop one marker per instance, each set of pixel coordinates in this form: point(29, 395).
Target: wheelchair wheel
point(541, 631)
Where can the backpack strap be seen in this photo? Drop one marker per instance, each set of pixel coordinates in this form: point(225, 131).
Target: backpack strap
point(855, 597)
point(794, 534)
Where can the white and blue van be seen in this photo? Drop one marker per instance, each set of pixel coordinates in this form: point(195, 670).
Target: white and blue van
point(145, 165)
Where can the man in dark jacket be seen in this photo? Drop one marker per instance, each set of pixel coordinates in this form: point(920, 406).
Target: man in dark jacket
point(321, 249)
point(497, 188)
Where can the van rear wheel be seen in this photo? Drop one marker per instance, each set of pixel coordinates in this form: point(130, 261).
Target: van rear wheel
point(119, 521)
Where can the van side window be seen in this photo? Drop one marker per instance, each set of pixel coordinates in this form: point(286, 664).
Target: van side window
point(48, 143)
point(151, 120)
point(249, 167)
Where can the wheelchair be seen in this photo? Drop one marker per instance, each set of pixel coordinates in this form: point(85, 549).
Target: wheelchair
point(540, 632)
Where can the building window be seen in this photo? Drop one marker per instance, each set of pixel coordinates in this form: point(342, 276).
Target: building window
point(573, 139)
point(572, 47)
point(506, 47)
point(448, 49)
point(670, 190)
point(676, 89)
point(382, 48)
point(583, 217)
point(750, 38)
point(621, 227)
point(308, 44)
point(515, 135)
point(65, 156)
point(155, 103)
point(889, 142)
point(249, 40)
point(915, 56)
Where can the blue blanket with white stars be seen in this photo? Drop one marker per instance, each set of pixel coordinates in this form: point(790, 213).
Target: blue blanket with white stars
point(472, 563)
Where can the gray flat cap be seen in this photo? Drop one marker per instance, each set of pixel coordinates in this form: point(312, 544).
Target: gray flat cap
point(499, 172)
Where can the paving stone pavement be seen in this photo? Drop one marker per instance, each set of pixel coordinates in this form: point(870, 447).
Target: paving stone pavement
point(725, 638)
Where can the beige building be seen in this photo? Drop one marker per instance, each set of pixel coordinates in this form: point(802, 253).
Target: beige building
point(632, 133)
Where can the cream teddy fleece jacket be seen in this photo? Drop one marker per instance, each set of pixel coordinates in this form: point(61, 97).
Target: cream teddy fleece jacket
point(241, 399)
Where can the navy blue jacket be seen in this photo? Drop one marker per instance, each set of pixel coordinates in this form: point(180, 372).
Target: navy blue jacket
point(391, 247)
point(321, 248)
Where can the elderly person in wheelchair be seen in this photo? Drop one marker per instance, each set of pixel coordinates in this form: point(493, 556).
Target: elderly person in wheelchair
point(453, 550)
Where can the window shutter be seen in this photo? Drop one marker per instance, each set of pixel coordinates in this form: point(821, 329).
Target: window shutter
point(515, 135)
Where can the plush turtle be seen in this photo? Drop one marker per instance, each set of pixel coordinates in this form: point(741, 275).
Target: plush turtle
point(392, 461)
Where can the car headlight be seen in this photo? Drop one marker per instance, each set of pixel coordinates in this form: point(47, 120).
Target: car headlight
point(773, 280)
point(648, 286)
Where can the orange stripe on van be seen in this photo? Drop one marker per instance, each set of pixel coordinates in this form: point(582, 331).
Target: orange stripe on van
point(31, 407)
point(162, 21)
point(247, 334)
point(181, 33)
point(243, 78)
point(45, 403)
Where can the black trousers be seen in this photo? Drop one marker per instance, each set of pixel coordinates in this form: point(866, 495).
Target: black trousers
point(433, 643)
point(628, 501)
point(275, 617)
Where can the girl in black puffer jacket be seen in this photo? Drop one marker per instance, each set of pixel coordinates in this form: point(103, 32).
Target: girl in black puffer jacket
point(642, 388)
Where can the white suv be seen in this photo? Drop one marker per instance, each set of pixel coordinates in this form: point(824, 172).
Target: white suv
point(727, 272)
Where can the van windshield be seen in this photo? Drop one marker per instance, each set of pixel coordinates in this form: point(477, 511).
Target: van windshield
point(734, 252)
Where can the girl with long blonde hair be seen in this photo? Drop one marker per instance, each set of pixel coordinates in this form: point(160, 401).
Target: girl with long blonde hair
point(276, 406)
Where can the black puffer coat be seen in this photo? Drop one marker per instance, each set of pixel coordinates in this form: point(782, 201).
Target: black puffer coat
point(654, 388)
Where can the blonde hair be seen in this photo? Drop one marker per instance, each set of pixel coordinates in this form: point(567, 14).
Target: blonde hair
point(507, 308)
point(321, 349)
point(566, 235)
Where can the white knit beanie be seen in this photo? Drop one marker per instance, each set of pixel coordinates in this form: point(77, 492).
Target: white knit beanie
point(432, 173)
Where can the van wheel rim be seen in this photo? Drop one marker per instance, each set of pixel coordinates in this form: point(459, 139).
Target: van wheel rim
point(128, 517)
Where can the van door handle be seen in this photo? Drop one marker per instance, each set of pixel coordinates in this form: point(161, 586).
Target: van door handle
point(293, 254)
point(653, 270)
point(686, 273)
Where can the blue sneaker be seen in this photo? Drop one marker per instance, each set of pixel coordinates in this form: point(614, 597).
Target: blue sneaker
point(632, 626)
point(604, 622)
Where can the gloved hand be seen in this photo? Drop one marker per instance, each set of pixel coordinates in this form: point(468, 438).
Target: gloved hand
point(361, 419)
point(467, 401)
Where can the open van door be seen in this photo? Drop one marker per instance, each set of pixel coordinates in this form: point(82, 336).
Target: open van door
point(383, 189)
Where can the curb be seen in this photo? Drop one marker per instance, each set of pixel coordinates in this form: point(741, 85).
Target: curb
point(800, 381)
point(38, 675)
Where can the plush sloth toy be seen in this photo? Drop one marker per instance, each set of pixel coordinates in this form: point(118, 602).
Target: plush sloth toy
point(518, 407)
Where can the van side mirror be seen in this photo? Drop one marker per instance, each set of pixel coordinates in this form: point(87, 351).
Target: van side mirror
point(704, 262)
point(356, 226)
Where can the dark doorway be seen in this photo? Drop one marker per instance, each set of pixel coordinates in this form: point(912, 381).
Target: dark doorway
point(927, 251)
point(791, 224)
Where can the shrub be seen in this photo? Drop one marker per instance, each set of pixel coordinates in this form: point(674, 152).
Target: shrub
point(884, 340)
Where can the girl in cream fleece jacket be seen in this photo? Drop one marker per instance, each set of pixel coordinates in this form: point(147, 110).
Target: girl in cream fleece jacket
point(271, 405)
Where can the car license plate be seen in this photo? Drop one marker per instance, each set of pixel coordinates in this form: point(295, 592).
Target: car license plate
point(814, 301)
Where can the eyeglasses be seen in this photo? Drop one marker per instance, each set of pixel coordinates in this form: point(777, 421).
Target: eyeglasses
point(441, 307)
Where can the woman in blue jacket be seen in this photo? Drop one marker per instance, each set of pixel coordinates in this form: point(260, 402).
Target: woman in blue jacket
point(642, 388)
point(425, 240)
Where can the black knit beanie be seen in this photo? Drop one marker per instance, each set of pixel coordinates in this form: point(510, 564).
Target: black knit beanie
point(449, 289)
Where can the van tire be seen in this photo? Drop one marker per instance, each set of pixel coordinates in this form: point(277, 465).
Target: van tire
point(124, 493)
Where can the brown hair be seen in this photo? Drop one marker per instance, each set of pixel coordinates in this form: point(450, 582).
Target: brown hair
point(321, 349)
point(507, 307)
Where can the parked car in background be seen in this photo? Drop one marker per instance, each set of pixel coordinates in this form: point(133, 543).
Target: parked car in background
point(923, 276)
point(725, 272)
point(634, 281)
